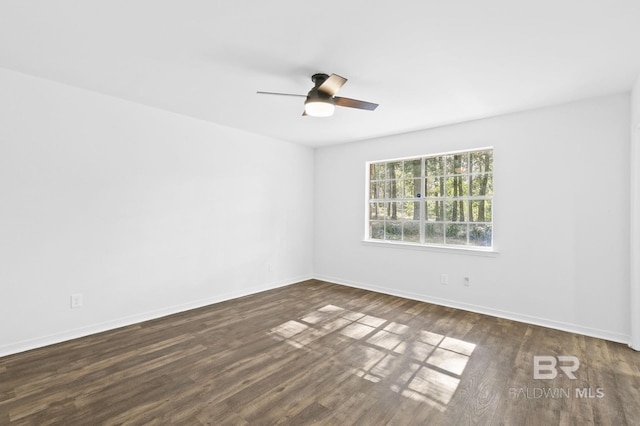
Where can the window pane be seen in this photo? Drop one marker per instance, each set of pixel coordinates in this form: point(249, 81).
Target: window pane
point(413, 210)
point(435, 211)
point(480, 211)
point(376, 190)
point(434, 233)
point(411, 232)
point(457, 164)
point(411, 188)
point(456, 234)
point(393, 230)
point(456, 211)
point(401, 210)
point(457, 186)
point(434, 187)
point(481, 161)
point(412, 168)
point(481, 185)
point(394, 170)
point(376, 230)
point(384, 189)
point(377, 211)
point(410, 211)
point(394, 188)
point(394, 210)
point(480, 235)
point(434, 166)
point(377, 171)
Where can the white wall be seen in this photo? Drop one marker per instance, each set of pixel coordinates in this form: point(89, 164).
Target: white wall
point(635, 216)
point(564, 266)
point(142, 211)
point(146, 213)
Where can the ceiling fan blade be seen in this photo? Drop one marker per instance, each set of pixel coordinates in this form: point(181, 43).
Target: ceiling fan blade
point(281, 94)
point(332, 84)
point(354, 103)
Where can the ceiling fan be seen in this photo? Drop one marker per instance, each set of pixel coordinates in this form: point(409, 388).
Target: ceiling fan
point(321, 100)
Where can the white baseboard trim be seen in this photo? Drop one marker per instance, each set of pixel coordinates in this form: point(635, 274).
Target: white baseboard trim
point(26, 345)
point(558, 325)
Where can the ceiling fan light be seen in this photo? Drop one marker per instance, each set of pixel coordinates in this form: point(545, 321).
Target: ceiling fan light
point(319, 108)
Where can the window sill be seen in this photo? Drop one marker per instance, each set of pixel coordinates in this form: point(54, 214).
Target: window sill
point(464, 250)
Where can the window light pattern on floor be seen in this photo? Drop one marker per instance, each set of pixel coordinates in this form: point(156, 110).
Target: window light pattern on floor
point(417, 364)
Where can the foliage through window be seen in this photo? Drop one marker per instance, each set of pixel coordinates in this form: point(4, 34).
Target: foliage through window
point(444, 199)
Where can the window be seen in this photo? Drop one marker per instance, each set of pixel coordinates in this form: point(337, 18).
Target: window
point(444, 199)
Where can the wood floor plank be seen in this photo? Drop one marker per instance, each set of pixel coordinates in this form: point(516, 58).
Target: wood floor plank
point(319, 353)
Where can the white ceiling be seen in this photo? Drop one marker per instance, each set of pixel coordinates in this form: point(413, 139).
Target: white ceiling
point(427, 63)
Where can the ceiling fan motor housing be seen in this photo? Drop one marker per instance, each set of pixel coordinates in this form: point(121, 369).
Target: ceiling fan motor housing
point(316, 95)
point(318, 79)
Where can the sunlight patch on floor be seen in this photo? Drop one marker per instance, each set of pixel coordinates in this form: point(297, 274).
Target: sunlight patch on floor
point(418, 364)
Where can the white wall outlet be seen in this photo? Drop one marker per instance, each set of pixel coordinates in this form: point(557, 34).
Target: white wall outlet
point(467, 281)
point(444, 279)
point(76, 300)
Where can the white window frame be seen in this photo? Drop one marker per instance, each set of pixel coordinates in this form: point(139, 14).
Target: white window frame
point(421, 201)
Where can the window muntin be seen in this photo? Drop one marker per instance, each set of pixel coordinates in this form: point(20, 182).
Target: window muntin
point(444, 199)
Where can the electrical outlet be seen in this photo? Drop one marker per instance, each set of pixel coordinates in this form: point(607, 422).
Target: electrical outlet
point(467, 281)
point(76, 300)
point(444, 279)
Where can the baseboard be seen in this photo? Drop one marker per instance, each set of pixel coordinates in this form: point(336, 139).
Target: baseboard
point(64, 336)
point(572, 328)
point(52, 339)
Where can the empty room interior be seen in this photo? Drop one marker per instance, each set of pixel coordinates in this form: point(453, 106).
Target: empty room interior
point(333, 213)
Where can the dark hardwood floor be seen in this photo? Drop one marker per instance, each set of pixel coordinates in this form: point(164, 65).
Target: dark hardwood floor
point(318, 353)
